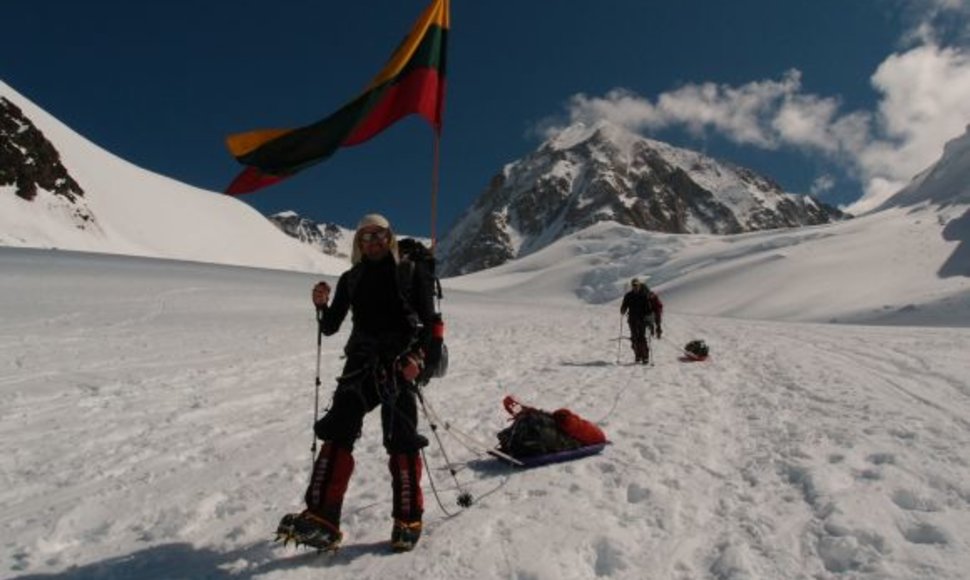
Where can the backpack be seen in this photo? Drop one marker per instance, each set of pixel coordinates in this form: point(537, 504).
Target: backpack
point(536, 432)
point(647, 303)
point(418, 259)
point(697, 348)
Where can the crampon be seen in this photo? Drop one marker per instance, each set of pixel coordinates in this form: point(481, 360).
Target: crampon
point(306, 529)
point(404, 535)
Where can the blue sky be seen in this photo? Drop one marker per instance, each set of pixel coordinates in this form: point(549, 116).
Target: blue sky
point(838, 97)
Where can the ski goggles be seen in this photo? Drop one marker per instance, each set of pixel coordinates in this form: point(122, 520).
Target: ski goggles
point(374, 236)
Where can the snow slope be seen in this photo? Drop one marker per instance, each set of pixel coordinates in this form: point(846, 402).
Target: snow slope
point(141, 213)
point(155, 423)
point(946, 181)
point(899, 266)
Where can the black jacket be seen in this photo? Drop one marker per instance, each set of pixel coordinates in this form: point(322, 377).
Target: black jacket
point(637, 303)
point(392, 307)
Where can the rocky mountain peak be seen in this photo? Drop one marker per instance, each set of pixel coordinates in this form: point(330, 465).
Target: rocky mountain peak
point(329, 238)
point(586, 174)
point(28, 161)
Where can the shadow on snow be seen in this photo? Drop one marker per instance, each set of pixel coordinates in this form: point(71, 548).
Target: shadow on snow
point(182, 560)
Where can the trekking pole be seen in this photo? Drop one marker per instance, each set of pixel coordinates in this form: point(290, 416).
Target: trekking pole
point(619, 337)
point(650, 349)
point(316, 396)
point(464, 498)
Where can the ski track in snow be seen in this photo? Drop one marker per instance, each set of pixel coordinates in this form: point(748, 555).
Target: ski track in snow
point(161, 431)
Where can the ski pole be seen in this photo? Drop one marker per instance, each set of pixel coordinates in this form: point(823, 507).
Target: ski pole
point(619, 334)
point(316, 396)
point(650, 349)
point(464, 498)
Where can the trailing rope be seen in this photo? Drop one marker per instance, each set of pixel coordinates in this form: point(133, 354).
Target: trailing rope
point(464, 498)
point(467, 441)
point(616, 398)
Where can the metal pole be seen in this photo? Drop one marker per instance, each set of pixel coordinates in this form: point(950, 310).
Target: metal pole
point(650, 349)
point(316, 396)
point(435, 170)
point(619, 339)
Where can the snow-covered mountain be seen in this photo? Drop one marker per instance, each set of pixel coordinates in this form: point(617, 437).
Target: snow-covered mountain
point(944, 183)
point(329, 238)
point(28, 160)
point(59, 190)
point(908, 263)
point(585, 175)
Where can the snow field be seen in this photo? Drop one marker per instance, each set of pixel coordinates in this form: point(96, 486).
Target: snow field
point(155, 423)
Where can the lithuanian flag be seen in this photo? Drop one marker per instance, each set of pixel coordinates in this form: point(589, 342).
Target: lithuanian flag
point(412, 81)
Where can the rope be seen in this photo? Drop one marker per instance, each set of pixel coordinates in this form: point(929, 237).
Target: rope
point(619, 393)
point(467, 441)
point(434, 488)
point(464, 498)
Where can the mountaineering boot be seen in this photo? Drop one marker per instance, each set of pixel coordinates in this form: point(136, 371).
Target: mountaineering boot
point(318, 526)
point(328, 482)
point(638, 351)
point(307, 529)
point(404, 535)
point(408, 500)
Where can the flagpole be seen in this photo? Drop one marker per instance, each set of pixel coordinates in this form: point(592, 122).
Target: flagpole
point(434, 188)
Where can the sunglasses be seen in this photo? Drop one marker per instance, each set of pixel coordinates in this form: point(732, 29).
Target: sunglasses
point(378, 236)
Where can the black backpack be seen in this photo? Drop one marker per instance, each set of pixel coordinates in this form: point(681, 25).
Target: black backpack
point(534, 432)
point(697, 348)
point(424, 263)
point(417, 253)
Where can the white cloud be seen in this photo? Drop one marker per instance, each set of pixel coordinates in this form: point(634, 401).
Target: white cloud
point(924, 101)
point(822, 185)
point(737, 112)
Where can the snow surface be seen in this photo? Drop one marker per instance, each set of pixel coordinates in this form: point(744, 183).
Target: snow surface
point(155, 422)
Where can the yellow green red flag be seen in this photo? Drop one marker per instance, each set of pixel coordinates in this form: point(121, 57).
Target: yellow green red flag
point(412, 81)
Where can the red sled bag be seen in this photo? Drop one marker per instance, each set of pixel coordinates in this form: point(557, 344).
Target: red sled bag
point(547, 432)
point(578, 428)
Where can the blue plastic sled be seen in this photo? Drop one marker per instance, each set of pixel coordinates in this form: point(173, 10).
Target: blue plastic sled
point(558, 457)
